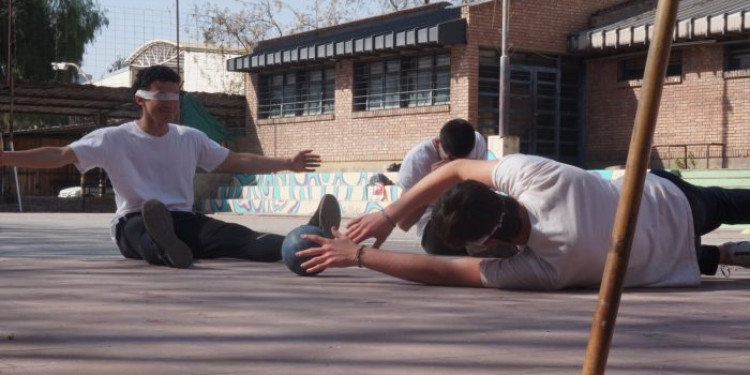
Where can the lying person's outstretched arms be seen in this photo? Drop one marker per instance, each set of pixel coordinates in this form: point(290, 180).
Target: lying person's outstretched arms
point(379, 225)
point(342, 252)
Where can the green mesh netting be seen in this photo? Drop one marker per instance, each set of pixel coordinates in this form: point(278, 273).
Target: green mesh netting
point(194, 115)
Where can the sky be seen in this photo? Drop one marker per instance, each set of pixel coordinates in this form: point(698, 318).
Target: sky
point(135, 22)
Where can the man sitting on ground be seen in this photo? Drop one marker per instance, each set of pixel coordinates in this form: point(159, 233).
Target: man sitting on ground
point(152, 162)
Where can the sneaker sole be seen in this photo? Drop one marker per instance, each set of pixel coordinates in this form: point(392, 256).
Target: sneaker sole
point(158, 222)
point(329, 214)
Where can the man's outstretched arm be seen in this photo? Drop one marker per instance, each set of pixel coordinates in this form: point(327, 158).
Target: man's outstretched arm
point(304, 161)
point(39, 158)
point(379, 225)
point(427, 269)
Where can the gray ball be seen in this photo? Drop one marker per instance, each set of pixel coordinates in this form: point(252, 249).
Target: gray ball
point(294, 243)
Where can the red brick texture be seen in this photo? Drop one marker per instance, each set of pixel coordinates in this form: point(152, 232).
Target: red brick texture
point(705, 105)
point(702, 107)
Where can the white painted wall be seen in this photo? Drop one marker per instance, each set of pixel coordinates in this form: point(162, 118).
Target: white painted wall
point(120, 78)
point(206, 72)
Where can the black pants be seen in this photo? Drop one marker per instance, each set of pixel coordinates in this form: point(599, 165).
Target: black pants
point(207, 238)
point(711, 207)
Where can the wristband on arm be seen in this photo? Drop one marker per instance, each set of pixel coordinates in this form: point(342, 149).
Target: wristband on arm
point(358, 257)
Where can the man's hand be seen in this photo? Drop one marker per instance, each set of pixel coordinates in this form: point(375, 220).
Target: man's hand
point(374, 225)
point(304, 161)
point(337, 252)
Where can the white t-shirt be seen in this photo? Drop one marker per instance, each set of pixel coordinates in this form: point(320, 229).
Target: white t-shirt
point(142, 166)
point(418, 163)
point(572, 213)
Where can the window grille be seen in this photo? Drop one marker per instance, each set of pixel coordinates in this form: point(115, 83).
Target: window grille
point(298, 93)
point(401, 82)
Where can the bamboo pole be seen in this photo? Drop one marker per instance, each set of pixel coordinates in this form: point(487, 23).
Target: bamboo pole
point(610, 293)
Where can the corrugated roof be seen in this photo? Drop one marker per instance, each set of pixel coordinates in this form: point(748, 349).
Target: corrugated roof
point(696, 19)
point(436, 24)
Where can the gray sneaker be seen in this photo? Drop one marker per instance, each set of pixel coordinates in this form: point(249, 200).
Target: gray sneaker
point(328, 214)
point(739, 253)
point(158, 222)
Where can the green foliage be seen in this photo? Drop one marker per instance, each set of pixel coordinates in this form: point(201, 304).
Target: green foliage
point(48, 31)
point(116, 65)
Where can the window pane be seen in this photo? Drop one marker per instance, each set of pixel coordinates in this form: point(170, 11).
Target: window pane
point(634, 68)
point(738, 56)
point(488, 57)
point(402, 82)
point(489, 90)
point(297, 93)
point(443, 60)
point(394, 65)
point(424, 62)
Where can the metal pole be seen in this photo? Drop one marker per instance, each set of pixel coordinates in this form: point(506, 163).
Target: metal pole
point(177, 32)
point(610, 293)
point(504, 104)
point(11, 85)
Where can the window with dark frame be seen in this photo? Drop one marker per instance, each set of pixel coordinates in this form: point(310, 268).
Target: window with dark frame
point(738, 56)
point(489, 91)
point(633, 68)
point(298, 93)
point(402, 82)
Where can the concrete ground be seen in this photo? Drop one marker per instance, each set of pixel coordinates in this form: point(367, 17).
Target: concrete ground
point(69, 304)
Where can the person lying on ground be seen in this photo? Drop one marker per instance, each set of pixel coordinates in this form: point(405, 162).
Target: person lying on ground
point(559, 216)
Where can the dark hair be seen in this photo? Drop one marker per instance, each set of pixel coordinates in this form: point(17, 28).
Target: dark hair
point(457, 138)
point(470, 210)
point(147, 76)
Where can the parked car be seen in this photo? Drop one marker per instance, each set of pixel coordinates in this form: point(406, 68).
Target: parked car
point(77, 192)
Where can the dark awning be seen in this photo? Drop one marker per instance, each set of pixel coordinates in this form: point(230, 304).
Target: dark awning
point(437, 24)
point(696, 20)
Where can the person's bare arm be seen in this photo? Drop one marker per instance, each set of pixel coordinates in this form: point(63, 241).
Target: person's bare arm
point(39, 158)
point(377, 224)
point(406, 223)
point(341, 252)
point(304, 161)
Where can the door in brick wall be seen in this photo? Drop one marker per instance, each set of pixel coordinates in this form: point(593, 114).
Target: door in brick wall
point(544, 111)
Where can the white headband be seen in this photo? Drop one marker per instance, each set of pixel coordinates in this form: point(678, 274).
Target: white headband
point(480, 241)
point(164, 96)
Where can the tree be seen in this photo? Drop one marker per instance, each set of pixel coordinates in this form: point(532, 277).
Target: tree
point(116, 65)
point(245, 27)
point(394, 5)
point(260, 19)
point(47, 31)
point(324, 14)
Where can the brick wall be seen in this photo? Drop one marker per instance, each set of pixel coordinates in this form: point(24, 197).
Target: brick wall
point(535, 25)
point(386, 135)
point(347, 136)
point(704, 105)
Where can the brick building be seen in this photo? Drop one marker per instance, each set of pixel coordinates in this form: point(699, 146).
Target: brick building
point(368, 90)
